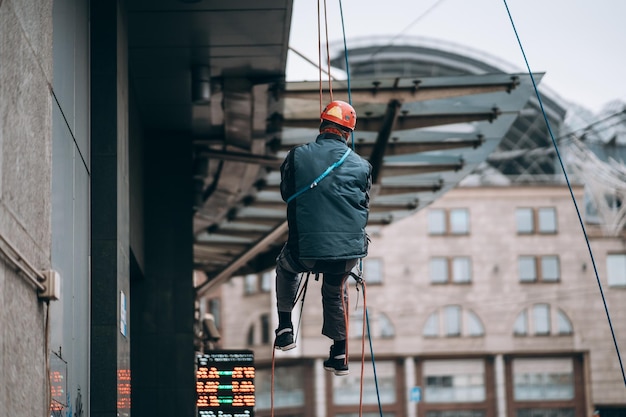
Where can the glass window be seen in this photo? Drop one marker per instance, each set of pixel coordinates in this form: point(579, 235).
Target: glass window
point(250, 335)
point(437, 222)
point(459, 221)
point(527, 269)
point(455, 413)
point(547, 220)
point(385, 326)
point(520, 328)
point(525, 220)
point(541, 379)
point(288, 387)
point(454, 381)
point(550, 268)
point(616, 269)
point(541, 318)
point(346, 390)
point(541, 322)
point(545, 412)
point(438, 270)
point(213, 308)
point(461, 269)
point(373, 270)
point(564, 324)
point(250, 284)
point(474, 325)
point(379, 324)
point(265, 329)
point(453, 320)
point(431, 328)
point(266, 281)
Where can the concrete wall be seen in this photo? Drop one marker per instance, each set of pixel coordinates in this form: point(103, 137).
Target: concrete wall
point(25, 172)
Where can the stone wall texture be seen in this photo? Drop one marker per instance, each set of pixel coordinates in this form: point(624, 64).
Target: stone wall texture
point(25, 198)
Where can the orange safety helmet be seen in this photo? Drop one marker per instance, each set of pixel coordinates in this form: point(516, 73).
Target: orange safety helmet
point(341, 113)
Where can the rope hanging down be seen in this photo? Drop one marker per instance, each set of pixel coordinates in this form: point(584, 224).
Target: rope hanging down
point(358, 278)
point(569, 186)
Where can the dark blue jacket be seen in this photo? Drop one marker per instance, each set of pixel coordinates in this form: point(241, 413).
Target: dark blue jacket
point(327, 221)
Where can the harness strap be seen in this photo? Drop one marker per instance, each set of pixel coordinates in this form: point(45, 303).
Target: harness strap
point(321, 177)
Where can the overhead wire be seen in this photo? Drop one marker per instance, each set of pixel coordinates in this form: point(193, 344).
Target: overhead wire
point(580, 219)
point(360, 280)
point(409, 26)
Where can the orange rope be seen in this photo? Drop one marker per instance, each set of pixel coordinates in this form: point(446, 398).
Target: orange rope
point(330, 83)
point(362, 349)
point(345, 304)
point(272, 381)
point(319, 51)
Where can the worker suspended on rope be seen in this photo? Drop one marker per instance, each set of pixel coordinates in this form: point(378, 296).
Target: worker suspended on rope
point(326, 187)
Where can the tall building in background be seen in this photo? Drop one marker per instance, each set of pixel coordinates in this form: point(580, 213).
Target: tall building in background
point(484, 303)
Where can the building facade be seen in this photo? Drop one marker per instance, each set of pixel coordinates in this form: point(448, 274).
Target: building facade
point(483, 304)
point(486, 303)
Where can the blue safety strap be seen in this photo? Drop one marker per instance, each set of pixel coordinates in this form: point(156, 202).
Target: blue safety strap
point(321, 177)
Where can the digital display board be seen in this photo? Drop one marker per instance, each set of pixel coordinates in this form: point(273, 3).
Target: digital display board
point(225, 384)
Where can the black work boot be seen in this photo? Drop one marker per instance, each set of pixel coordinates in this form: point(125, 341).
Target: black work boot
point(336, 361)
point(284, 339)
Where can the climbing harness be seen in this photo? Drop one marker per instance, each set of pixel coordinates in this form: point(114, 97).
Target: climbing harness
point(569, 186)
point(320, 178)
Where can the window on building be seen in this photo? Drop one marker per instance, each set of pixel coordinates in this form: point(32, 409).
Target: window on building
point(527, 267)
point(459, 221)
point(453, 321)
point(266, 281)
point(250, 335)
point(431, 328)
point(564, 325)
point(547, 220)
point(520, 328)
point(460, 267)
point(616, 269)
point(541, 220)
point(289, 387)
point(525, 220)
point(265, 329)
point(437, 222)
point(454, 381)
point(474, 325)
point(262, 324)
point(438, 270)
point(550, 268)
point(541, 319)
point(250, 284)
point(539, 269)
point(346, 390)
point(541, 379)
point(538, 321)
point(380, 326)
point(373, 270)
point(454, 221)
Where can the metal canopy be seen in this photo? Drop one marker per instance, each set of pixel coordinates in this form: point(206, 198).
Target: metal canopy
point(212, 73)
point(418, 148)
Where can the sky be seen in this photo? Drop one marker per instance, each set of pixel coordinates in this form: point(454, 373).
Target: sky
point(579, 44)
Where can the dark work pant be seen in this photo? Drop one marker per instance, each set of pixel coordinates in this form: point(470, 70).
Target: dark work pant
point(334, 274)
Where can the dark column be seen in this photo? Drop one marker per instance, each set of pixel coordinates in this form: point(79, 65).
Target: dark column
point(163, 298)
point(110, 343)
